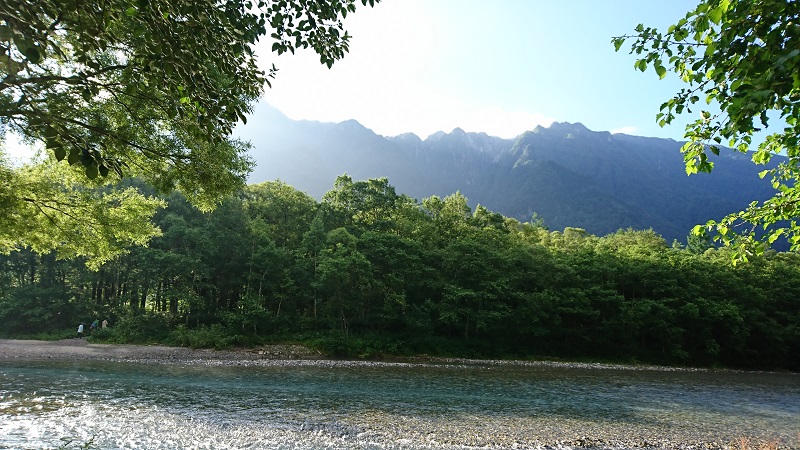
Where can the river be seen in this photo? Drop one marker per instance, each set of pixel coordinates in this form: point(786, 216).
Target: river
point(361, 405)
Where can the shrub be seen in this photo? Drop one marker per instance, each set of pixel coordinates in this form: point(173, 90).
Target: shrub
point(216, 336)
point(55, 335)
point(141, 328)
point(364, 347)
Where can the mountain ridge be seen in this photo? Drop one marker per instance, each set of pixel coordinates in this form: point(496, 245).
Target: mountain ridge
point(566, 173)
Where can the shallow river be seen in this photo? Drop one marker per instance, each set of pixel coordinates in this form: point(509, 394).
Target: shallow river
point(341, 405)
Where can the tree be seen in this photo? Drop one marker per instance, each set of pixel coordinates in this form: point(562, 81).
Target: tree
point(449, 218)
point(150, 89)
point(401, 276)
point(312, 247)
point(47, 208)
point(370, 204)
point(285, 211)
point(476, 288)
point(344, 277)
point(739, 57)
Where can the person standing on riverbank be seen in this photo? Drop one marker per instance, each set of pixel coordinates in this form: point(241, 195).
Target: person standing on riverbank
point(80, 331)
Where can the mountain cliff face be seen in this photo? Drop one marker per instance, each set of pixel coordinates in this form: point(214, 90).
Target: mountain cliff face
point(566, 173)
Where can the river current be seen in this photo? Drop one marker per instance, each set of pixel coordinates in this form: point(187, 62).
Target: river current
point(359, 405)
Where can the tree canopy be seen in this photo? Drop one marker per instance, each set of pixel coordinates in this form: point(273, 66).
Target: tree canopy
point(369, 272)
point(741, 63)
point(150, 89)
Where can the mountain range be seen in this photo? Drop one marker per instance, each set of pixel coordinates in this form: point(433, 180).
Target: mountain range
point(568, 175)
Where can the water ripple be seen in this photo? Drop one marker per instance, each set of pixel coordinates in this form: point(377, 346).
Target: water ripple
point(386, 406)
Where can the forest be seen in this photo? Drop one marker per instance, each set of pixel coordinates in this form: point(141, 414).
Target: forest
point(370, 273)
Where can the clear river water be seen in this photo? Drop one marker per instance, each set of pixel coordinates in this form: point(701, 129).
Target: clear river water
point(360, 405)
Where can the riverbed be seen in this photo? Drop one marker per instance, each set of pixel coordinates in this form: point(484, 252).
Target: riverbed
point(185, 401)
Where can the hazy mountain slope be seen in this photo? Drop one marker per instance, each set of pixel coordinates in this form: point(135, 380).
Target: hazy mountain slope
point(310, 155)
point(562, 197)
point(645, 177)
point(448, 162)
point(566, 173)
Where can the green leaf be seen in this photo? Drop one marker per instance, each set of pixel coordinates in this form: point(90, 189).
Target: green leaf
point(91, 171)
point(131, 11)
point(33, 55)
point(6, 34)
point(59, 152)
point(661, 71)
point(716, 15)
point(74, 156)
point(50, 132)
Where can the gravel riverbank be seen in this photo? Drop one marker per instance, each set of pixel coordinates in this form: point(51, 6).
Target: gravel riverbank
point(84, 350)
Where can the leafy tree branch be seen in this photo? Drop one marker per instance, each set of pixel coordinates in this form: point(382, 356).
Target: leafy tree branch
point(147, 89)
point(740, 57)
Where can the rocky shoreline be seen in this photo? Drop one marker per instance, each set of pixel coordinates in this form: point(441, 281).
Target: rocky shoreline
point(84, 350)
point(275, 354)
point(555, 433)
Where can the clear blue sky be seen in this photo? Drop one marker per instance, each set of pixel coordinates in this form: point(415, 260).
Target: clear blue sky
point(499, 66)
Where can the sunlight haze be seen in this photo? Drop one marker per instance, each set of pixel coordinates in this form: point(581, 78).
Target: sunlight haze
point(423, 66)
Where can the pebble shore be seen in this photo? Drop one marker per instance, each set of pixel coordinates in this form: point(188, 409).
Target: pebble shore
point(484, 432)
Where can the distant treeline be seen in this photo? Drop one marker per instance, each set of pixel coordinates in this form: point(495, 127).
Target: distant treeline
point(367, 272)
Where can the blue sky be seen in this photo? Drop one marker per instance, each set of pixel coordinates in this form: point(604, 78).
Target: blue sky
point(499, 66)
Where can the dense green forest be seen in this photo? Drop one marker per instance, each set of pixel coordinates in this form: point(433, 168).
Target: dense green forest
point(367, 272)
